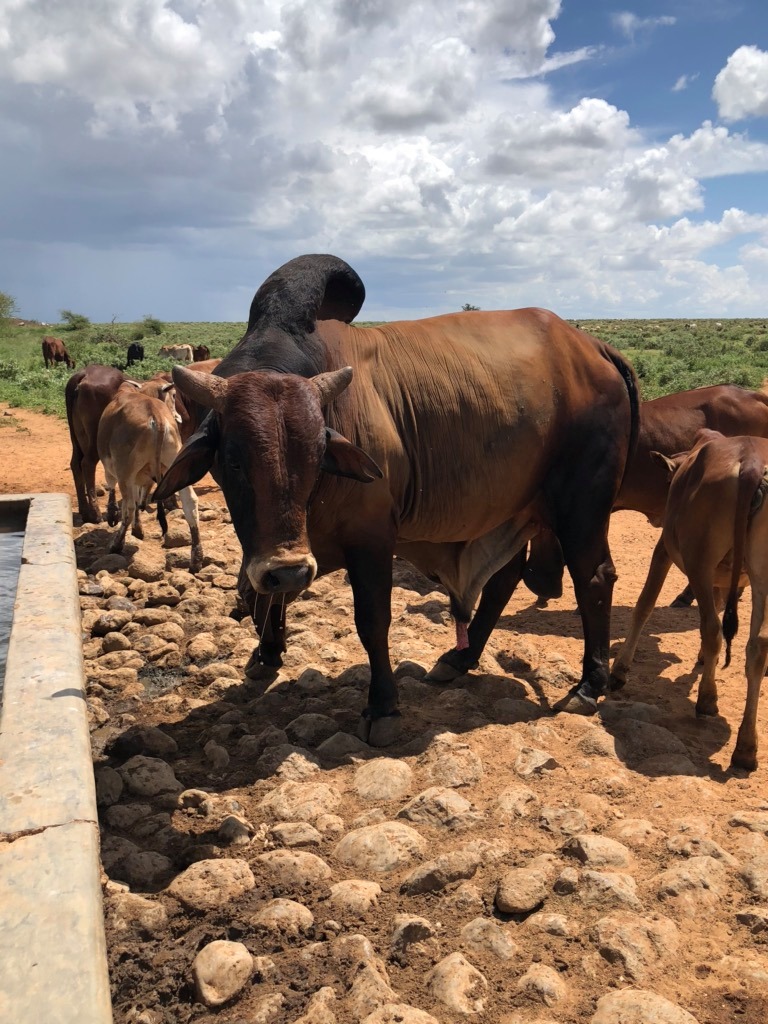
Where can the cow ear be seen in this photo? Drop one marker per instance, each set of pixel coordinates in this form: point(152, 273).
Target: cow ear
point(342, 458)
point(670, 463)
point(194, 460)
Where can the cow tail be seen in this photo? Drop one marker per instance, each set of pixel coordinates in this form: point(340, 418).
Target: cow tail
point(157, 470)
point(751, 472)
point(629, 377)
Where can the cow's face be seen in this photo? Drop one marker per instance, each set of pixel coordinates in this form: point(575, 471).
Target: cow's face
point(270, 442)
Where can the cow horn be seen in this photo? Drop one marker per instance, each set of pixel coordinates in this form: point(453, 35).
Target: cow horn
point(203, 388)
point(331, 384)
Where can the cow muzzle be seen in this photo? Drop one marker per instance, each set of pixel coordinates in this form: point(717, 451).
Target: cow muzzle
point(277, 577)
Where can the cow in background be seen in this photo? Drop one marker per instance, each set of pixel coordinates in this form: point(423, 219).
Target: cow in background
point(668, 425)
point(135, 353)
point(87, 394)
point(715, 530)
point(200, 353)
point(138, 439)
point(54, 351)
point(180, 353)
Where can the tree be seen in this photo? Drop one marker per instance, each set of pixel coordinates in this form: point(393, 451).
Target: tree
point(152, 325)
point(73, 321)
point(8, 307)
point(468, 307)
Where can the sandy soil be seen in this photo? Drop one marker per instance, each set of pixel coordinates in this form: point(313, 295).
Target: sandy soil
point(717, 968)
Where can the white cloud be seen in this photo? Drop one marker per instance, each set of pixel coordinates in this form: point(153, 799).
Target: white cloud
point(423, 141)
point(630, 24)
point(741, 88)
point(684, 81)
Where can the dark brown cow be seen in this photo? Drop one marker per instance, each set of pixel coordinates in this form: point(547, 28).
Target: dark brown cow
point(200, 353)
point(87, 394)
point(668, 425)
point(54, 351)
point(715, 529)
point(470, 431)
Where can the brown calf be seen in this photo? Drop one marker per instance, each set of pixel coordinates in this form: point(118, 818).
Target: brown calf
point(87, 394)
point(138, 439)
point(715, 530)
point(200, 353)
point(55, 352)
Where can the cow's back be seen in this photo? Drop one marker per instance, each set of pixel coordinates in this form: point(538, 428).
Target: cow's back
point(468, 413)
point(669, 425)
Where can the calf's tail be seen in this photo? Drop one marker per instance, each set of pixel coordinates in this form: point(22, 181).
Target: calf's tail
point(751, 472)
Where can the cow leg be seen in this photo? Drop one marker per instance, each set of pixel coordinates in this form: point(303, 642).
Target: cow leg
point(370, 575)
point(684, 599)
point(496, 593)
point(189, 505)
point(88, 469)
point(745, 752)
point(128, 509)
point(137, 529)
point(646, 602)
point(711, 641)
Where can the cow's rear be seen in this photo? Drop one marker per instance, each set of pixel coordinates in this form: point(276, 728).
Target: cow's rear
point(716, 531)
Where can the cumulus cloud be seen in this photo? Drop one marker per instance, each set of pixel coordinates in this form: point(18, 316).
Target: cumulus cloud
point(185, 149)
point(741, 88)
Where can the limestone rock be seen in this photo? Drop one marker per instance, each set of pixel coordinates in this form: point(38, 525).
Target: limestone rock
point(109, 786)
point(598, 851)
point(354, 897)
point(208, 884)
point(636, 943)
point(287, 762)
point(320, 1008)
point(295, 833)
point(521, 890)
point(294, 801)
point(410, 931)
point(441, 808)
point(383, 779)
point(380, 848)
point(221, 970)
point(311, 729)
point(608, 887)
point(111, 622)
point(515, 802)
point(284, 918)
point(148, 776)
point(458, 985)
point(532, 762)
point(129, 912)
point(436, 874)
point(543, 983)
point(487, 936)
point(399, 1013)
point(293, 868)
point(638, 1006)
point(697, 883)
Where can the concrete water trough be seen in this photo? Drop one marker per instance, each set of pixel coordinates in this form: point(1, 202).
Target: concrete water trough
point(52, 951)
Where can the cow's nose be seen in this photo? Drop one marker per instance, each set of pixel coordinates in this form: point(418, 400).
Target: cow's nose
point(287, 578)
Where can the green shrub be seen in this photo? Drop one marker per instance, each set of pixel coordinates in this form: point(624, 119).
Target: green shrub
point(152, 325)
point(73, 321)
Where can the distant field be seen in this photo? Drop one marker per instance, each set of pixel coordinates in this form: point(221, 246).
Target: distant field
point(668, 355)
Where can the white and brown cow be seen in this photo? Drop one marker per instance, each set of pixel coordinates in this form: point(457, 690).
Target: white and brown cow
point(715, 530)
point(138, 439)
point(179, 353)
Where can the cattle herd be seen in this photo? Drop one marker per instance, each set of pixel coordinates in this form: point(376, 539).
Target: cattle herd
point(483, 447)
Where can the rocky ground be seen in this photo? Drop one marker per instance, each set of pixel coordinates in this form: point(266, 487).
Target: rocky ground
point(261, 864)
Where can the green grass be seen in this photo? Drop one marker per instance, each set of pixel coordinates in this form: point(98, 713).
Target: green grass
point(668, 355)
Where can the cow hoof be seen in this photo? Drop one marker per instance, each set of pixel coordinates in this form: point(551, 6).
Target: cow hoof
point(445, 670)
point(542, 602)
point(707, 711)
point(381, 732)
point(576, 703)
point(257, 670)
point(617, 682)
point(743, 762)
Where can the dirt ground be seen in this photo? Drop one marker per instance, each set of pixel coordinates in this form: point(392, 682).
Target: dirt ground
point(694, 833)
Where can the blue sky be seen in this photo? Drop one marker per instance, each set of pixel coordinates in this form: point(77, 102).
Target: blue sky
point(597, 159)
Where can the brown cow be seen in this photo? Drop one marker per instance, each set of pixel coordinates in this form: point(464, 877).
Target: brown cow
point(668, 425)
point(715, 529)
point(54, 351)
point(87, 394)
point(200, 353)
point(470, 432)
point(138, 439)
